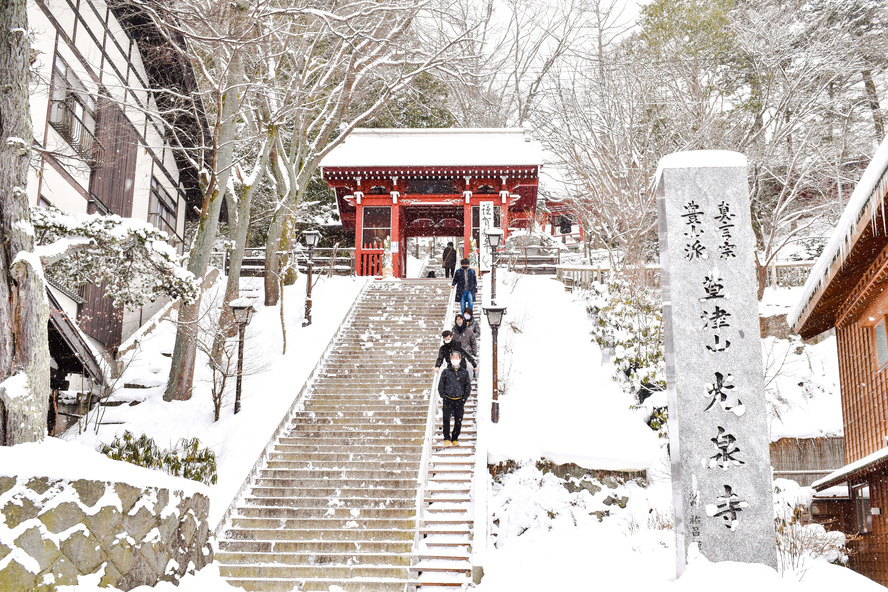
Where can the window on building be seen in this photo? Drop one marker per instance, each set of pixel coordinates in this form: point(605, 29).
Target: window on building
point(377, 225)
point(43, 202)
point(73, 112)
point(881, 339)
point(863, 515)
point(162, 210)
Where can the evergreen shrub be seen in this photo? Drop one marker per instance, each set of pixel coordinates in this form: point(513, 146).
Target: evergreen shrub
point(186, 460)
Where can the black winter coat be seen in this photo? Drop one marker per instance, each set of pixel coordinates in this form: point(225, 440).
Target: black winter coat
point(449, 257)
point(455, 384)
point(444, 354)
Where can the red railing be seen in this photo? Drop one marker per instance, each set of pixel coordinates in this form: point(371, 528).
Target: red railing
point(369, 261)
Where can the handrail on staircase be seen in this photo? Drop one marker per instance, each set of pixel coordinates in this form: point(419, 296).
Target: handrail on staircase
point(422, 481)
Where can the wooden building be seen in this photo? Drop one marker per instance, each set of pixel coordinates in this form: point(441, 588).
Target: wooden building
point(406, 183)
point(104, 147)
point(848, 290)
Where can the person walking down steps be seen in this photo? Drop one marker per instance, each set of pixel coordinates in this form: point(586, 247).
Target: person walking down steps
point(466, 337)
point(466, 285)
point(449, 346)
point(449, 260)
point(454, 388)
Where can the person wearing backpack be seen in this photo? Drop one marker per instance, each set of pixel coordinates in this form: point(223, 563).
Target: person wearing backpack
point(454, 388)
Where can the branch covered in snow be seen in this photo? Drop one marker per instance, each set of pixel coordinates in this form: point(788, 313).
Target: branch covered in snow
point(131, 258)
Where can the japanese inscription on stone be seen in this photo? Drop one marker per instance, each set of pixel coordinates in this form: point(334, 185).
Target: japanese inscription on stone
point(718, 432)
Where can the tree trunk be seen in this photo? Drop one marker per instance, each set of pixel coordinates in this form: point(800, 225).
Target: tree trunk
point(184, 352)
point(272, 260)
point(873, 99)
point(24, 310)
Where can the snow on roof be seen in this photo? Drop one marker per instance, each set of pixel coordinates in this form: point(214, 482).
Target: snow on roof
point(840, 475)
point(864, 197)
point(436, 147)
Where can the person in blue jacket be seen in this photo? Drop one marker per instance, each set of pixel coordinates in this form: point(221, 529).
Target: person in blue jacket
point(466, 285)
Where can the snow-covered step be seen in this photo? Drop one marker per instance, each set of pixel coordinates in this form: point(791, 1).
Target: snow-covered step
point(334, 503)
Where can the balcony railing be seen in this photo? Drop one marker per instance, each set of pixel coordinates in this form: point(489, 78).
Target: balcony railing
point(76, 133)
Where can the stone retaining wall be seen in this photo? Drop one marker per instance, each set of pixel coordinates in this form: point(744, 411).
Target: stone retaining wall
point(53, 530)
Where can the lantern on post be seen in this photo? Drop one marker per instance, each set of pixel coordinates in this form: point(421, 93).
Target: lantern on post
point(495, 318)
point(312, 238)
point(242, 309)
point(494, 238)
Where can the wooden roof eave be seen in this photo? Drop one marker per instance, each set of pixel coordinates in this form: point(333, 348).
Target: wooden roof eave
point(819, 314)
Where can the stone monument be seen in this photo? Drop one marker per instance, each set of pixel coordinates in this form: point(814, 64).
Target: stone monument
point(718, 428)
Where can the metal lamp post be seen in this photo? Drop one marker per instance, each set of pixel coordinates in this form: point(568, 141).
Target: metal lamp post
point(312, 237)
point(243, 310)
point(494, 238)
point(495, 318)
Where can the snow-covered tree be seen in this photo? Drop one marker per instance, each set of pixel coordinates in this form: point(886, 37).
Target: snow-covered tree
point(24, 311)
point(341, 64)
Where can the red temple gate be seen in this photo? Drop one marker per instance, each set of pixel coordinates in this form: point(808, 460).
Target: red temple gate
point(397, 184)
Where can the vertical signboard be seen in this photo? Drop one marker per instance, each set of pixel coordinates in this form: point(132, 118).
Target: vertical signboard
point(485, 222)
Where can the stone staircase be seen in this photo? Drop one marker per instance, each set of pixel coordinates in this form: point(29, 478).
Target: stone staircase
point(335, 502)
point(444, 547)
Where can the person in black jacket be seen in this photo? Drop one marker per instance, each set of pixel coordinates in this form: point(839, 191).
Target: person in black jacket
point(449, 260)
point(454, 388)
point(450, 345)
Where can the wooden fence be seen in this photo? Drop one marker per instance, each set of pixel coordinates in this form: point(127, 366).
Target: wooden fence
point(806, 460)
point(783, 274)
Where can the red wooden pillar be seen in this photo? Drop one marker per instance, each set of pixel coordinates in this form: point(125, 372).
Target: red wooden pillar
point(396, 238)
point(504, 220)
point(467, 225)
point(359, 237)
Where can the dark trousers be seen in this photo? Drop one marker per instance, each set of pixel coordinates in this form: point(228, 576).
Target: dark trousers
point(448, 271)
point(455, 410)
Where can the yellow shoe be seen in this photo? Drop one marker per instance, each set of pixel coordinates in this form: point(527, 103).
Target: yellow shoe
point(445, 443)
point(454, 443)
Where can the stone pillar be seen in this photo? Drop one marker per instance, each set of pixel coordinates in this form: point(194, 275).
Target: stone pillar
point(718, 428)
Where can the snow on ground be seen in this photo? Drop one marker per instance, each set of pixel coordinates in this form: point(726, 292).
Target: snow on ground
point(271, 383)
point(57, 459)
point(559, 402)
point(802, 384)
point(779, 301)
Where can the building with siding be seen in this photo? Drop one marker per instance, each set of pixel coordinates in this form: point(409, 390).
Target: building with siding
point(97, 112)
point(848, 290)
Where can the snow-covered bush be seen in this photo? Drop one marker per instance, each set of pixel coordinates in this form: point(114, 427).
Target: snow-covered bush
point(187, 460)
point(797, 541)
point(629, 321)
